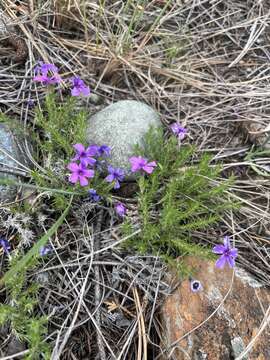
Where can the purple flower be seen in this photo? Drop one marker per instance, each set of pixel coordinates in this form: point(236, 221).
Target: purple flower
point(45, 250)
point(104, 150)
point(139, 163)
point(79, 174)
point(79, 87)
point(120, 209)
point(47, 74)
point(178, 130)
point(116, 175)
point(31, 103)
point(85, 155)
point(227, 253)
point(5, 245)
point(93, 195)
point(195, 285)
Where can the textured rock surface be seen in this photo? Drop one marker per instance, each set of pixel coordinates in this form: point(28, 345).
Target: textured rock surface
point(227, 333)
point(11, 156)
point(121, 126)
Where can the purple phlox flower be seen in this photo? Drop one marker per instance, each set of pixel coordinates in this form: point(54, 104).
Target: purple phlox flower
point(227, 253)
point(195, 285)
point(93, 195)
point(5, 245)
point(120, 209)
point(47, 74)
point(79, 173)
point(85, 155)
point(116, 175)
point(178, 130)
point(104, 150)
point(45, 250)
point(139, 163)
point(79, 87)
point(30, 102)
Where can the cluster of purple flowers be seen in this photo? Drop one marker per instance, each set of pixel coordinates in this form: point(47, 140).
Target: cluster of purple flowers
point(48, 74)
point(87, 161)
point(82, 165)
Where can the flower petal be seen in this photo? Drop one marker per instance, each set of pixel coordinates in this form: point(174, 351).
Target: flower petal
point(73, 178)
point(219, 249)
point(84, 161)
point(92, 150)
point(226, 241)
point(135, 168)
point(109, 178)
point(45, 67)
point(104, 150)
point(135, 163)
point(85, 90)
point(175, 128)
point(149, 168)
point(55, 79)
point(73, 167)
point(110, 169)
point(116, 184)
point(120, 209)
point(83, 180)
point(79, 148)
point(220, 263)
point(76, 157)
point(230, 261)
point(91, 161)
point(88, 173)
point(181, 135)
point(40, 78)
point(120, 173)
point(133, 159)
point(75, 92)
point(233, 252)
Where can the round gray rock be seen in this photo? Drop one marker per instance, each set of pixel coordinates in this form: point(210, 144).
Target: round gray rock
point(12, 157)
point(121, 126)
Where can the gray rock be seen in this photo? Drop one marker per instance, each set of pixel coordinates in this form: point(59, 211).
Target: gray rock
point(12, 155)
point(238, 346)
point(121, 126)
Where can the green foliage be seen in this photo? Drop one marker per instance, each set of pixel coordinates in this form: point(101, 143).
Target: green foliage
point(59, 126)
point(22, 264)
point(19, 314)
point(254, 155)
point(181, 196)
point(23, 298)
